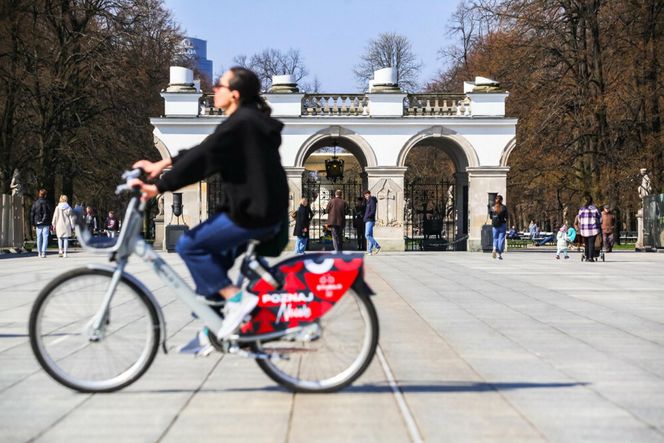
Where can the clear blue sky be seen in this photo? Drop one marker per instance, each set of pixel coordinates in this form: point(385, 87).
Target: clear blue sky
point(330, 34)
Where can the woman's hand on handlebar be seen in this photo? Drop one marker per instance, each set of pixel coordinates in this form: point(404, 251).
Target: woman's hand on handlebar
point(147, 191)
point(152, 169)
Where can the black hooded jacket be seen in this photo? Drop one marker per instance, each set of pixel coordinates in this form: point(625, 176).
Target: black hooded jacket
point(244, 150)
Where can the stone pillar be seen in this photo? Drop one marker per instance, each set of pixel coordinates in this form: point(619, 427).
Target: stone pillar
point(181, 97)
point(386, 183)
point(461, 207)
point(481, 181)
point(294, 177)
point(639, 231)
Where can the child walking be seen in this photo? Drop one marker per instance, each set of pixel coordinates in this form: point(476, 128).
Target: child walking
point(561, 245)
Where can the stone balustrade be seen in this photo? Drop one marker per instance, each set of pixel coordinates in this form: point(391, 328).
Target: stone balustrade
point(357, 105)
point(207, 108)
point(435, 105)
point(335, 105)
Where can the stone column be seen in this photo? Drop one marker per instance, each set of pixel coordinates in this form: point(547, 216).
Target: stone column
point(639, 231)
point(386, 183)
point(481, 181)
point(461, 182)
point(294, 177)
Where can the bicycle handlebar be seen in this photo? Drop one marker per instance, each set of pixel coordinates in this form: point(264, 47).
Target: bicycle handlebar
point(128, 176)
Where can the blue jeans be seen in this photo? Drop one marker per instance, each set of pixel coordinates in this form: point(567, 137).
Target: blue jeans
point(210, 249)
point(368, 233)
point(499, 238)
point(42, 239)
point(63, 244)
point(301, 244)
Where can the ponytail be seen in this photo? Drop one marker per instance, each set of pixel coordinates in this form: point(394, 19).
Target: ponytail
point(263, 106)
point(246, 82)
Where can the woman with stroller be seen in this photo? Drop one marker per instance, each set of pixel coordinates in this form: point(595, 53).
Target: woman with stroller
point(588, 221)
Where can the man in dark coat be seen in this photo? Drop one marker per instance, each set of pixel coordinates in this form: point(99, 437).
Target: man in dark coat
point(336, 219)
point(369, 221)
point(303, 217)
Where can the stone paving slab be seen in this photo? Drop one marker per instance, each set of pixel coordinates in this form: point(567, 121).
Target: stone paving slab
point(526, 349)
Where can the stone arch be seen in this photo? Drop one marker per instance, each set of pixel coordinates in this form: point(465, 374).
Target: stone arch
point(440, 132)
point(161, 147)
point(507, 151)
point(347, 139)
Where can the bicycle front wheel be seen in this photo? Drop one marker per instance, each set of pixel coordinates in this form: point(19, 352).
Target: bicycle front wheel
point(81, 357)
point(327, 355)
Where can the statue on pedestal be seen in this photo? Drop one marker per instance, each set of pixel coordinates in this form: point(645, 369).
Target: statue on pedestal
point(16, 184)
point(645, 188)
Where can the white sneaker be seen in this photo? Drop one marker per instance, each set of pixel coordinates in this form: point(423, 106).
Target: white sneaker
point(200, 346)
point(64, 255)
point(234, 312)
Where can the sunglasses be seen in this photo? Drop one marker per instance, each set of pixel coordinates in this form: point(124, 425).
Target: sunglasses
point(219, 86)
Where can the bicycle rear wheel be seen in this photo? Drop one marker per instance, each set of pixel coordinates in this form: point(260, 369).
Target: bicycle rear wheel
point(331, 353)
point(63, 340)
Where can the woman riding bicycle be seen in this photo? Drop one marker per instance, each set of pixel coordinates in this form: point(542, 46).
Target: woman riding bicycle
point(244, 150)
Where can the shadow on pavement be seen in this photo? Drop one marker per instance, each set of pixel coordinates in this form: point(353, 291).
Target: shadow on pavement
point(384, 388)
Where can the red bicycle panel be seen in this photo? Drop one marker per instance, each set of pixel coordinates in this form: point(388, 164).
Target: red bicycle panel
point(312, 285)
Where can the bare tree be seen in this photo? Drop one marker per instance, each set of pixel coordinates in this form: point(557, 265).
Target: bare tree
point(84, 78)
point(389, 50)
point(313, 87)
point(271, 62)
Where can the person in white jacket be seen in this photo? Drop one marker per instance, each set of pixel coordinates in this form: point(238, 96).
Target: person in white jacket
point(63, 225)
point(561, 246)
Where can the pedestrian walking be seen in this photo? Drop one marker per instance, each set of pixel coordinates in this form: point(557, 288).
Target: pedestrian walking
point(91, 220)
point(358, 222)
point(608, 228)
point(303, 217)
point(40, 217)
point(369, 221)
point(112, 225)
point(588, 220)
point(498, 213)
point(336, 219)
point(561, 242)
point(63, 224)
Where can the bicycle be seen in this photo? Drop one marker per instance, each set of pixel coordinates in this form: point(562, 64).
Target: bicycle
point(98, 328)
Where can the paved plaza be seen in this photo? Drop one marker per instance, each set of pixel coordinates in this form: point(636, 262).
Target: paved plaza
point(471, 349)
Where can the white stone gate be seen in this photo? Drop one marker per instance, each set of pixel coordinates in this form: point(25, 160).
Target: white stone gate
point(379, 128)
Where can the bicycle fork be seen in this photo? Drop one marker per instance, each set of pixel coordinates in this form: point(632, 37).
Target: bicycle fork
point(98, 324)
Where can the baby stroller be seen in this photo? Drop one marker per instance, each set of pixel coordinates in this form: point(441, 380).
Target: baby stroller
point(598, 253)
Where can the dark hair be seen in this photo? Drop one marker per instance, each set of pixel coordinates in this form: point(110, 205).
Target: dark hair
point(42, 193)
point(248, 85)
point(498, 207)
point(367, 192)
point(587, 200)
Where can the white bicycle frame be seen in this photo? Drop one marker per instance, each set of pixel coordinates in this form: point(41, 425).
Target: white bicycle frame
point(128, 242)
